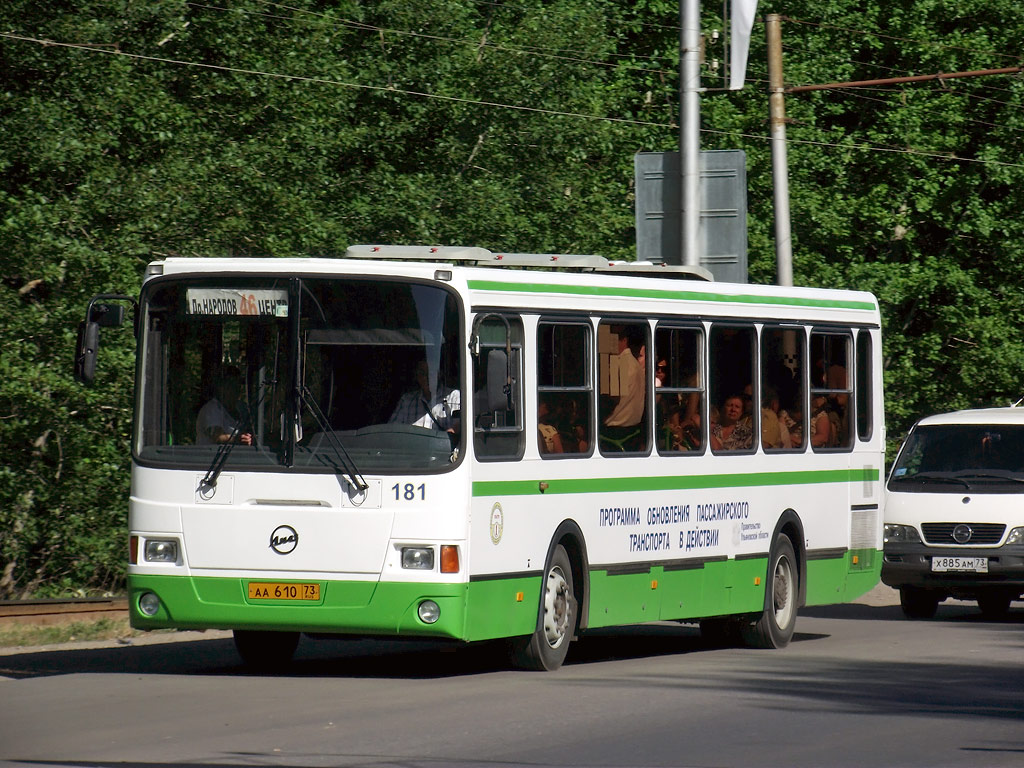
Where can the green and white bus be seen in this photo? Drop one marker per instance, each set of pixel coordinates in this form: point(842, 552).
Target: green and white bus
point(457, 444)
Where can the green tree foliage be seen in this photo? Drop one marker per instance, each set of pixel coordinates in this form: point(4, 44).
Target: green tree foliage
point(154, 128)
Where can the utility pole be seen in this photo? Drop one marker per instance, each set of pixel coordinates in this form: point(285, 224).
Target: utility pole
point(780, 170)
point(689, 131)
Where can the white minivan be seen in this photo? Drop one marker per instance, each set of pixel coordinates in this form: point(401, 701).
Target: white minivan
point(954, 512)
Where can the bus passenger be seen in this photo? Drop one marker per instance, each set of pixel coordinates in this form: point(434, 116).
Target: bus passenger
point(772, 429)
point(629, 410)
point(732, 432)
point(823, 432)
point(548, 438)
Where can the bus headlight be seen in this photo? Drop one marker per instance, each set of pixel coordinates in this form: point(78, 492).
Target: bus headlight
point(149, 604)
point(903, 534)
point(418, 558)
point(161, 551)
point(429, 612)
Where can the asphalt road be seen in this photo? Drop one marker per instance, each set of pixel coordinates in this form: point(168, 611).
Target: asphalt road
point(860, 685)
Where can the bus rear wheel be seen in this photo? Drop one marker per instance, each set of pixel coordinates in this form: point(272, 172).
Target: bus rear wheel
point(546, 648)
point(774, 628)
point(265, 651)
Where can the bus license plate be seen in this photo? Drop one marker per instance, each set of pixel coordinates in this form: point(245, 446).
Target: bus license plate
point(965, 564)
point(272, 590)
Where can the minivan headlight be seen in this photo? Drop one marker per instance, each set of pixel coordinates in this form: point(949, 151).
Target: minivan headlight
point(1016, 536)
point(903, 534)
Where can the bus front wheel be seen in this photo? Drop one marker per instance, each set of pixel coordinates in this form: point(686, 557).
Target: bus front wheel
point(265, 651)
point(546, 648)
point(774, 628)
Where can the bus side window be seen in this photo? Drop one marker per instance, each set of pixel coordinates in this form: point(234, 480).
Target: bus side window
point(864, 394)
point(782, 374)
point(830, 390)
point(497, 423)
point(622, 356)
point(733, 420)
point(564, 389)
point(679, 419)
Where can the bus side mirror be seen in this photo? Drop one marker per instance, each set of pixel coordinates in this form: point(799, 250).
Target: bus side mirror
point(108, 315)
point(499, 389)
point(85, 351)
point(99, 315)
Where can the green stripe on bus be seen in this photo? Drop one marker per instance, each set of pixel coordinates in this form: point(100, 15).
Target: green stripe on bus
point(671, 482)
point(654, 293)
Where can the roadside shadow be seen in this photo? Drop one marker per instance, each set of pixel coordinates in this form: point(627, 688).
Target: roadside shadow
point(854, 612)
point(950, 610)
point(359, 658)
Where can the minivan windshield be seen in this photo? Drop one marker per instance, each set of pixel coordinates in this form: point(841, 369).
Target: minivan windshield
point(952, 458)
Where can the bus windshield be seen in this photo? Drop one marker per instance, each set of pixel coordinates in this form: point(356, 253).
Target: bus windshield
point(317, 374)
point(952, 458)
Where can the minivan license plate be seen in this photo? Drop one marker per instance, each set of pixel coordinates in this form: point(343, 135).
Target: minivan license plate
point(963, 564)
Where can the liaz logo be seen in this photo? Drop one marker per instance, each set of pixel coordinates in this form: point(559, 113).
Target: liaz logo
point(284, 540)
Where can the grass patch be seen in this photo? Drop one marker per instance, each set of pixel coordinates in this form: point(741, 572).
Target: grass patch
point(32, 634)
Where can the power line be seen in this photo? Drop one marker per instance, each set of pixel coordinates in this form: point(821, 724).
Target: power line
point(556, 53)
point(535, 110)
point(326, 81)
point(926, 43)
point(856, 95)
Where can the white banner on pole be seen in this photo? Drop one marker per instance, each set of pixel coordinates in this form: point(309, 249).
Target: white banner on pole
point(742, 12)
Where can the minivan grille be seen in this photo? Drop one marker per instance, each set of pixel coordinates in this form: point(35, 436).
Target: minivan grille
point(979, 533)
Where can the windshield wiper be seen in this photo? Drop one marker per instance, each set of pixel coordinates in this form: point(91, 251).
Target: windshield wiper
point(992, 475)
point(209, 481)
point(942, 477)
point(348, 468)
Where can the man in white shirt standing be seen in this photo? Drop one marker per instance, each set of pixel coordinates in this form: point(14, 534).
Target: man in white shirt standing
point(629, 410)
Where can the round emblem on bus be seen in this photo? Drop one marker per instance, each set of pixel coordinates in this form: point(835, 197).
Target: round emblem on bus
point(497, 524)
point(284, 539)
point(962, 534)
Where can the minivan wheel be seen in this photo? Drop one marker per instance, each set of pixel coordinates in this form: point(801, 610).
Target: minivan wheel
point(995, 604)
point(918, 603)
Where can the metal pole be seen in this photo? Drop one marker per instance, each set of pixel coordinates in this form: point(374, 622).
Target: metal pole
point(689, 130)
point(780, 173)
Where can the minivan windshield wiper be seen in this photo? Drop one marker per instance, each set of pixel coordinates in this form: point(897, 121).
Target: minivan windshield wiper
point(940, 477)
point(991, 474)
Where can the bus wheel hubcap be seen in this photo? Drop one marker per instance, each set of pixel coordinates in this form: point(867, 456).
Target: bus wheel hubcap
point(556, 608)
point(782, 592)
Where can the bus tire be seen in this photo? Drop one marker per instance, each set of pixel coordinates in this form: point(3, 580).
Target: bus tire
point(545, 649)
point(918, 603)
point(265, 651)
point(774, 628)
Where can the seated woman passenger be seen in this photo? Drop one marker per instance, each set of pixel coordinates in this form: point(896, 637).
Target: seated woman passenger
point(823, 432)
point(549, 441)
point(732, 432)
